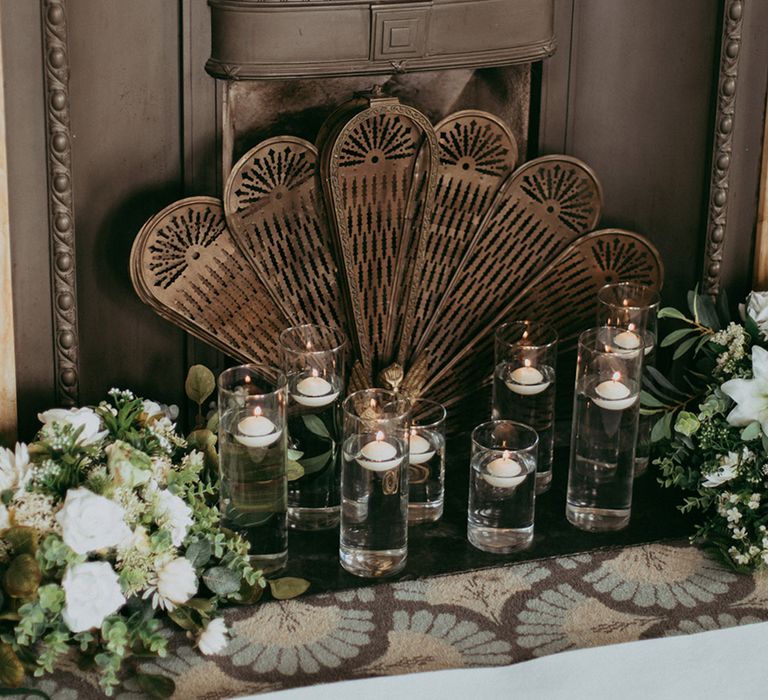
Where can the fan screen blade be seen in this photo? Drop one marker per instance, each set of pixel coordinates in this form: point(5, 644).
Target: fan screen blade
point(185, 265)
point(477, 151)
point(274, 209)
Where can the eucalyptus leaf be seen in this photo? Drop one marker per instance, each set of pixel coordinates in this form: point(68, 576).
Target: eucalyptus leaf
point(156, 685)
point(708, 313)
point(293, 470)
point(662, 429)
point(671, 312)
point(183, 618)
point(200, 383)
point(213, 422)
point(201, 439)
point(684, 347)
point(199, 553)
point(316, 464)
point(249, 594)
point(11, 669)
point(202, 605)
point(294, 455)
point(676, 336)
point(221, 580)
point(650, 401)
point(316, 426)
point(288, 587)
point(751, 432)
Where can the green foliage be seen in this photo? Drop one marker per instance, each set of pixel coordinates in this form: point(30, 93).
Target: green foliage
point(199, 385)
point(287, 587)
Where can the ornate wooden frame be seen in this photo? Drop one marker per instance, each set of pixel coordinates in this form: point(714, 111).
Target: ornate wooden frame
point(61, 217)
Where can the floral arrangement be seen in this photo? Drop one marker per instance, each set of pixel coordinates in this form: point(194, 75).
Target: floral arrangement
point(712, 432)
point(108, 523)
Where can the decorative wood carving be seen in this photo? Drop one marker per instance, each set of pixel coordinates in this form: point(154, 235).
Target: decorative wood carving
point(60, 202)
point(722, 144)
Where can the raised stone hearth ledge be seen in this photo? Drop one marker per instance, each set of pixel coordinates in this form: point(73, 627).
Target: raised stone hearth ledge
point(261, 39)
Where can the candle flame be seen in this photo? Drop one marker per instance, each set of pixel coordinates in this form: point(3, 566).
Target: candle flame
point(373, 403)
point(379, 436)
point(315, 373)
point(505, 454)
point(527, 362)
point(631, 327)
point(413, 432)
point(616, 376)
point(625, 302)
point(257, 411)
point(525, 334)
point(309, 345)
point(247, 379)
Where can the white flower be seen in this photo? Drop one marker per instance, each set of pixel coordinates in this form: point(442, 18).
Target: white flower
point(15, 469)
point(139, 541)
point(213, 639)
point(175, 584)
point(733, 515)
point(92, 592)
point(757, 310)
point(90, 522)
point(725, 471)
point(750, 395)
point(76, 417)
point(172, 512)
point(151, 408)
point(5, 518)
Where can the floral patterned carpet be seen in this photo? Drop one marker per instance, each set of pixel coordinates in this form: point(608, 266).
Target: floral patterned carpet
point(482, 618)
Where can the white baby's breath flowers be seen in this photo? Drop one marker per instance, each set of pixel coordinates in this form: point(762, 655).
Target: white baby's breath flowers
point(90, 522)
point(213, 639)
point(85, 418)
point(15, 469)
point(92, 591)
point(173, 513)
point(174, 584)
point(35, 510)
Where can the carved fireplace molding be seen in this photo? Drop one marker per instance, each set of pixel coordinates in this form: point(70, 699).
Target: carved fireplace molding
point(399, 37)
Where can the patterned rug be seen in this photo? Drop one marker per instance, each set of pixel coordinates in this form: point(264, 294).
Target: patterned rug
point(482, 618)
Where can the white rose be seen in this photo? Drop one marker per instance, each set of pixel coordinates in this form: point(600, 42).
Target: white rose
point(213, 639)
point(92, 592)
point(172, 512)
point(15, 469)
point(151, 408)
point(90, 522)
point(757, 310)
point(76, 417)
point(176, 583)
point(5, 518)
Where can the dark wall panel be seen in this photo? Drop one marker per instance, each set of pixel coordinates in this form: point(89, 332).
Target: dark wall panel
point(634, 81)
point(127, 154)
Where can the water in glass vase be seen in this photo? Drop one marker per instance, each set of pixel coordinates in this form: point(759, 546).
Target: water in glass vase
point(253, 494)
point(602, 455)
point(313, 498)
point(374, 510)
point(531, 402)
point(501, 501)
point(426, 477)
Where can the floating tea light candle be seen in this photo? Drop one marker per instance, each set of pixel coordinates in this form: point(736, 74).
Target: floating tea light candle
point(613, 394)
point(379, 455)
point(504, 472)
point(421, 449)
point(314, 391)
point(527, 380)
point(628, 340)
point(257, 430)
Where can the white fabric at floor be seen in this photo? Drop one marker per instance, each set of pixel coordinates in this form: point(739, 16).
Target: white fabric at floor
point(725, 664)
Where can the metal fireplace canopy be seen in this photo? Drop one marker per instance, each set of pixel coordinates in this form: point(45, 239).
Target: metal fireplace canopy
point(258, 39)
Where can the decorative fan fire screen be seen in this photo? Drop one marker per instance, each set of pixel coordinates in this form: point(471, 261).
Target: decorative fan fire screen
point(416, 240)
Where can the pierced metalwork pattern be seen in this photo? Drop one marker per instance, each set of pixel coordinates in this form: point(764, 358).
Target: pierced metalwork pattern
point(524, 232)
point(376, 166)
point(61, 214)
point(275, 213)
point(562, 295)
point(186, 266)
point(477, 151)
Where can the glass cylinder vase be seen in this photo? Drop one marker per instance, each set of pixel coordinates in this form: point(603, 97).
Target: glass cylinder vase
point(633, 307)
point(502, 486)
point(604, 430)
point(314, 362)
point(524, 381)
point(252, 454)
point(426, 462)
point(374, 483)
